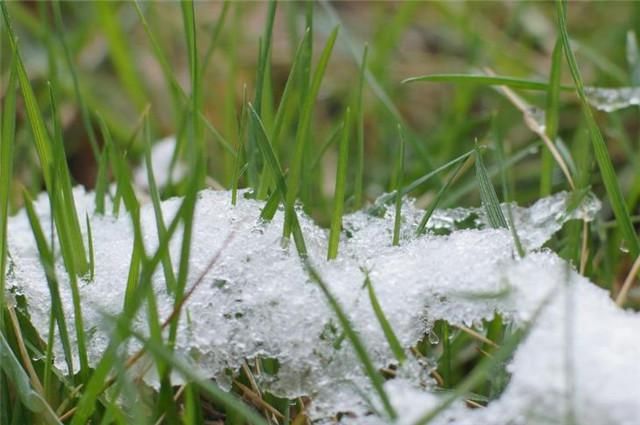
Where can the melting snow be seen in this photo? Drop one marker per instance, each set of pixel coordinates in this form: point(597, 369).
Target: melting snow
point(257, 301)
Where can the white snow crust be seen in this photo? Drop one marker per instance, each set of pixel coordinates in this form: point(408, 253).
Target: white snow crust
point(579, 360)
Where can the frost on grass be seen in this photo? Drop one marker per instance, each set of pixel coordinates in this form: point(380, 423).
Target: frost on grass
point(258, 302)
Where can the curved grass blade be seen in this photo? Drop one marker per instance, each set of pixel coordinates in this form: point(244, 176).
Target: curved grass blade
point(392, 339)
point(264, 144)
point(422, 226)
point(352, 335)
point(603, 159)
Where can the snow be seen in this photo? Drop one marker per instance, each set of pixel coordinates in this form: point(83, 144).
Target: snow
point(258, 301)
point(612, 99)
point(162, 153)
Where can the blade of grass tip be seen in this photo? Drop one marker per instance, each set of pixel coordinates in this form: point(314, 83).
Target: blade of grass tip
point(303, 132)
point(422, 226)
point(7, 141)
point(484, 368)
point(84, 112)
point(271, 159)
point(48, 264)
point(120, 52)
point(340, 188)
point(392, 339)
point(352, 335)
point(484, 80)
point(488, 194)
point(551, 116)
point(167, 266)
point(399, 178)
point(19, 379)
point(599, 147)
point(359, 180)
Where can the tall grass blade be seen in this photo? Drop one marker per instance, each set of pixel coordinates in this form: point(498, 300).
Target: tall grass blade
point(359, 107)
point(352, 335)
point(422, 226)
point(120, 52)
point(48, 264)
point(303, 132)
point(603, 159)
point(392, 339)
point(399, 180)
point(551, 116)
point(340, 189)
point(7, 141)
point(271, 159)
point(84, 112)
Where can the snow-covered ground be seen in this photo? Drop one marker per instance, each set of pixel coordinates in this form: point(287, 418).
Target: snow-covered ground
point(580, 359)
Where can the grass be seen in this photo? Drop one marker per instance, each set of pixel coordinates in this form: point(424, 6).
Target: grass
point(302, 107)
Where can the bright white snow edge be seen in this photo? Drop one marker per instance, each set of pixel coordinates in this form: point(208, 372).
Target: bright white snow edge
point(258, 302)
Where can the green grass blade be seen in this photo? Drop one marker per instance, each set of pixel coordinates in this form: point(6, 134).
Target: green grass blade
point(340, 189)
point(488, 194)
point(603, 159)
point(215, 35)
point(552, 113)
point(92, 260)
point(399, 180)
point(11, 366)
point(102, 180)
point(483, 80)
point(198, 378)
point(120, 52)
point(392, 339)
point(423, 179)
point(84, 112)
point(48, 264)
point(7, 141)
point(167, 266)
point(288, 91)
point(359, 108)
point(422, 226)
point(264, 144)
point(352, 335)
point(486, 365)
point(40, 135)
point(303, 132)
